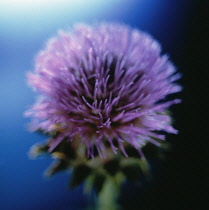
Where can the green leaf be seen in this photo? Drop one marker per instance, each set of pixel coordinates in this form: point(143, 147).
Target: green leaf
point(98, 181)
point(112, 166)
point(80, 173)
point(132, 172)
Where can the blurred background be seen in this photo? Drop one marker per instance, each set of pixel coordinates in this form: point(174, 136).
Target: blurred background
point(25, 26)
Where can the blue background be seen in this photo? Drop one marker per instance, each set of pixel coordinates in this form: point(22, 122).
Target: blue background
point(23, 32)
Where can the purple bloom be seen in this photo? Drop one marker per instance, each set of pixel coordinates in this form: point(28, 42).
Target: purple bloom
point(103, 84)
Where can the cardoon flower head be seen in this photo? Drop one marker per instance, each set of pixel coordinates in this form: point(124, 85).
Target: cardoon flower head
point(103, 85)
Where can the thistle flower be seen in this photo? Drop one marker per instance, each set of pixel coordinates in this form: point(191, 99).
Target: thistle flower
point(103, 85)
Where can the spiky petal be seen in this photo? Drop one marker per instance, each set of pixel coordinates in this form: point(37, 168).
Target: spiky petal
point(103, 83)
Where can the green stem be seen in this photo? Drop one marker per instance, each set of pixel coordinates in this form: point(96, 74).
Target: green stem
point(107, 198)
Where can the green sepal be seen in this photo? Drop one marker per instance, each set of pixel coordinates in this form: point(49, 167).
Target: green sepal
point(37, 150)
point(56, 167)
point(65, 147)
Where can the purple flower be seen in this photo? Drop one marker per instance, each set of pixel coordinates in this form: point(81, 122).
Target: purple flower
point(103, 84)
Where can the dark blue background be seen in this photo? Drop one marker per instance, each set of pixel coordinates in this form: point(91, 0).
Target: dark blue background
point(23, 33)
